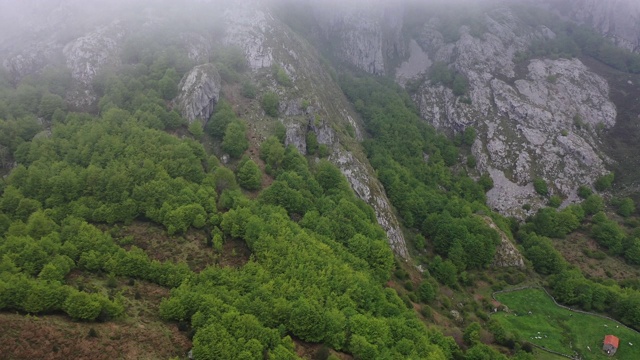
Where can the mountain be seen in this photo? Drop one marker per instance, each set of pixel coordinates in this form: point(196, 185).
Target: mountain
point(617, 20)
point(525, 134)
point(237, 170)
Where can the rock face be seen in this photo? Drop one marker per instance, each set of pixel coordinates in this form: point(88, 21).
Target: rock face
point(199, 92)
point(267, 42)
point(89, 54)
point(507, 255)
point(539, 118)
point(534, 119)
point(363, 33)
point(619, 20)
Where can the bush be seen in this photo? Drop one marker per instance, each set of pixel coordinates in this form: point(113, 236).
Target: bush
point(486, 182)
point(82, 306)
point(426, 292)
point(281, 76)
point(270, 103)
point(540, 186)
point(249, 90)
point(604, 182)
point(249, 175)
point(555, 201)
point(221, 118)
point(471, 161)
point(584, 191)
point(626, 207)
point(195, 128)
point(460, 85)
point(408, 285)
point(235, 141)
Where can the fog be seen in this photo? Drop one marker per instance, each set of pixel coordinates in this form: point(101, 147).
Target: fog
point(59, 21)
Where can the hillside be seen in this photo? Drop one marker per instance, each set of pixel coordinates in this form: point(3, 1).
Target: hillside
point(286, 180)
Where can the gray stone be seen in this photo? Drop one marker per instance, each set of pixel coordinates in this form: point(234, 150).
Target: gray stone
point(540, 122)
point(199, 93)
point(615, 19)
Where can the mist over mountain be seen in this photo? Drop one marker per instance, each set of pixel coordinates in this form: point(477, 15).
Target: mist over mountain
point(285, 179)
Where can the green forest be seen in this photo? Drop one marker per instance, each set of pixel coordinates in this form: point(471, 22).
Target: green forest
point(319, 269)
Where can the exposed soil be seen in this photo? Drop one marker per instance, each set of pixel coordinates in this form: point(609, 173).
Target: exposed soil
point(307, 350)
point(610, 267)
point(139, 335)
point(190, 247)
point(57, 337)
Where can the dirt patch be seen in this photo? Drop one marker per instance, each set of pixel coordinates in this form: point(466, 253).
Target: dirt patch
point(307, 350)
point(190, 247)
point(57, 337)
point(141, 334)
point(235, 253)
point(572, 249)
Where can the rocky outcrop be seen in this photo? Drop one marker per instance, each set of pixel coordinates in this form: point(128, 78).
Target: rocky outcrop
point(363, 33)
point(369, 189)
point(507, 254)
point(248, 28)
point(266, 41)
point(534, 119)
point(28, 61)
point(89, 54)
point(199, 91)
point(619, 20)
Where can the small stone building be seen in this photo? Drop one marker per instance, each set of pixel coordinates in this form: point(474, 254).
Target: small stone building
point(610, 344)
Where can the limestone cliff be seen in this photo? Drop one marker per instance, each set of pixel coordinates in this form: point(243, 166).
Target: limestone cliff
point(199, 93)
point(538, 118)
point(534, 118)
point(619, 20)
point(267, 42)
point(364, 33)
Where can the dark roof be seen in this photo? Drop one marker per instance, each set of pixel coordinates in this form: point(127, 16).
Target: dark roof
point(611, 340)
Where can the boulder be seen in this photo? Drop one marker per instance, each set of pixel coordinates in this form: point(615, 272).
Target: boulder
point(199, 91)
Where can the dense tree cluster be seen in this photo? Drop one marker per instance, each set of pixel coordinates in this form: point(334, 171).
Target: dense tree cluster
point(319, 259)
point(414, 164)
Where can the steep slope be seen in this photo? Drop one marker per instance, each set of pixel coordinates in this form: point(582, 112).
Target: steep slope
point(536, 120)
point(311, 102)
point(539, 118)
point(619, 20)
point(267, 43)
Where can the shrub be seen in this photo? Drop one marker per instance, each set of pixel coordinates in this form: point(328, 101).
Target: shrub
point(555, 201)
point(235, 141)
point(540, 186)
point(249, 175)
point(460, 85)
point(604, 182)
point(426, 292)
point(281, 76)
point(270, 103)
point(249, 90)
point(408, 285)
point(584, 191)
point(471, 161)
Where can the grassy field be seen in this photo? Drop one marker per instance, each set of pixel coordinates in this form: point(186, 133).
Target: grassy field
point(535, 318)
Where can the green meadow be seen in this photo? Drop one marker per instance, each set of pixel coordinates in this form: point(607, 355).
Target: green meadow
point(536, 318)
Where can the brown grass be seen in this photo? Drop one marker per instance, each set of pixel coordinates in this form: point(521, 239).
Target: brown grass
point(57, 337)
point(139, 335)
point(190, 247)
point(572, 247)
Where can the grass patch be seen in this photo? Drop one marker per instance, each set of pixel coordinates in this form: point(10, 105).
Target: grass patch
point(535, 318)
